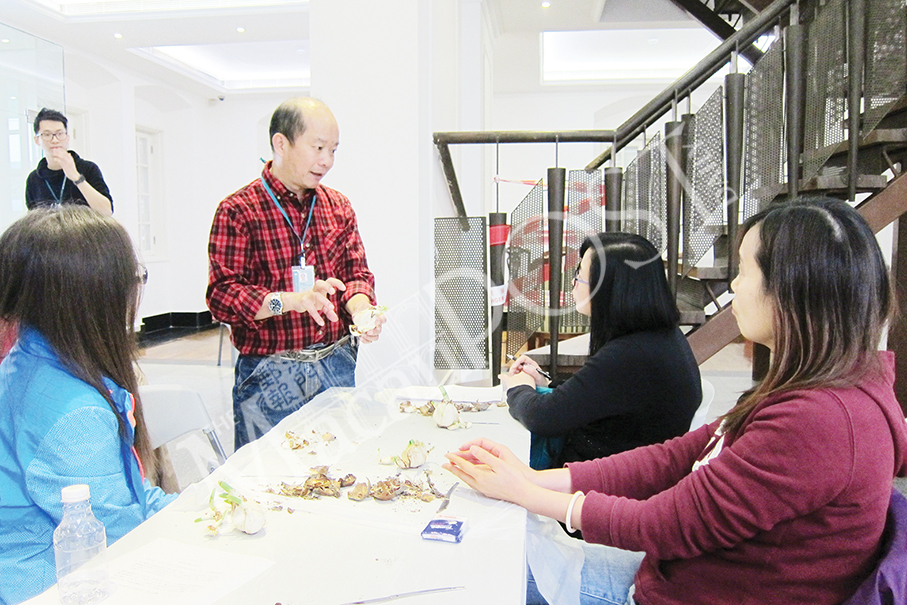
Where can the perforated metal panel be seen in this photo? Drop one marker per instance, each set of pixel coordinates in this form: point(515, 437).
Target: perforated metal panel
point(886, 65)
point(764, 151)
point(461, 295)
point(645, 194)
point(525, 259)
point(703, 211)
point(824, 123)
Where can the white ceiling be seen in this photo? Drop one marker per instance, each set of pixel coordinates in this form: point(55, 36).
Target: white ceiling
point(197, 43)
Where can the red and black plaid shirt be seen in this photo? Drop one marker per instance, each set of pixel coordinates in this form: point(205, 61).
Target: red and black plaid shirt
point(252, 250)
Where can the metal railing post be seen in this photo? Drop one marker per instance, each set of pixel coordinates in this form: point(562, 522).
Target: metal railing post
point(497, 238)
point(734, 89)
point(856, 41)
point(674, 174)
point(795, 76)
point(557, 178)
point(614, 177)
point(453, 185)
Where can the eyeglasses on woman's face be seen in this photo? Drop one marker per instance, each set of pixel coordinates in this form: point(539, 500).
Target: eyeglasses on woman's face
point(577, 278)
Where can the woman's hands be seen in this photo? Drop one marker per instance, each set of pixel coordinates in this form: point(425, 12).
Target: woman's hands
point(524, 371)
point(514, 380)
point(492, 469)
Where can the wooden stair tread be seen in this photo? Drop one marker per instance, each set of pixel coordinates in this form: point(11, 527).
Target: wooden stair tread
point(829, 182)
point(690, 315)
point(880, 136)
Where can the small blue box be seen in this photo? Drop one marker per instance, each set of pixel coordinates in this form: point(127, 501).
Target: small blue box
point(446, 529)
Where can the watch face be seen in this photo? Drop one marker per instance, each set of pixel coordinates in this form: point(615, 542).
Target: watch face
point(275, 305)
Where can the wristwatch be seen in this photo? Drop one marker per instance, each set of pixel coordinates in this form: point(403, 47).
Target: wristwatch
point(79, 180)
point(275, 304)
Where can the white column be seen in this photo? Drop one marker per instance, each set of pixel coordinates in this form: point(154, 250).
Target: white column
point(391, 73)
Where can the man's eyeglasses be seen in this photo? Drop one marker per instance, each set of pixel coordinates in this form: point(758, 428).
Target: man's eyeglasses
point(142, 275)
point(576, 278)
point(60, 135)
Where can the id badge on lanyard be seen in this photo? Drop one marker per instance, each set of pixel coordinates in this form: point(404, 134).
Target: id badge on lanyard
point(303, 276)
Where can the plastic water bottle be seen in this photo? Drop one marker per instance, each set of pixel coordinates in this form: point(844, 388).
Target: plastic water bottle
point(80, 547)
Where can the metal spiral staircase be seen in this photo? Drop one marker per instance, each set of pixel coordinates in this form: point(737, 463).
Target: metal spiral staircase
point(822, 111)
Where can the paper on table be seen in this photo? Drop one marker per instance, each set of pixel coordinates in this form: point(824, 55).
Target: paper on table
point(455, 392)
point(176, 573)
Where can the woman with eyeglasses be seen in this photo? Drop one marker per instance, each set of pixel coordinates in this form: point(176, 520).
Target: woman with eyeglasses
point(782, 500)
point(69, 406)
point(641, 383)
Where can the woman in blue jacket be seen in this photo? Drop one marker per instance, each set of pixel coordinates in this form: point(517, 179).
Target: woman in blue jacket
point(69, 409)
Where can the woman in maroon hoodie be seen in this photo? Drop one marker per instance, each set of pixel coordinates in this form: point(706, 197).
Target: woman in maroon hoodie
point(783, 500)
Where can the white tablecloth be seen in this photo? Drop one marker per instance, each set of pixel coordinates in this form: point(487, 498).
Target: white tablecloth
point(332, 551)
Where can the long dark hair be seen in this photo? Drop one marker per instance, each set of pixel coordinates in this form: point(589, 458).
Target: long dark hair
point(629, 290)
point(71, 274)
point(824, 271)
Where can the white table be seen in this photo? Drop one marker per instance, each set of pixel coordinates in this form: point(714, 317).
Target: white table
point(333, 551)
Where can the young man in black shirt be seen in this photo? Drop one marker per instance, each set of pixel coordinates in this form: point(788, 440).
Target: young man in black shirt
point(62, 177)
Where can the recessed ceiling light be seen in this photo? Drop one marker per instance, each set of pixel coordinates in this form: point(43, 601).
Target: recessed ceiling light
point(546, 5)
point(5, 40)
point(653, 41)
point(118, 36)
point(13, 98)
point(241, 29)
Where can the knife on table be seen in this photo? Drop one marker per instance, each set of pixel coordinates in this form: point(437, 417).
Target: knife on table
point(447, 498)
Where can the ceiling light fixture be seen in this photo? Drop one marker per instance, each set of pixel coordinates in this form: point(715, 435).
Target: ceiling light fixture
point(241, 29)
point(5, 40)
point(546, 5)
point(118, 36)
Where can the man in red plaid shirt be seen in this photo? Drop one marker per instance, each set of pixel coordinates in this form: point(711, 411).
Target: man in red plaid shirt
point(288, 273)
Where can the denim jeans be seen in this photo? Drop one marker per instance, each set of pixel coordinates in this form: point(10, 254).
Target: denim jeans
point(267, 389)
point(606, 578)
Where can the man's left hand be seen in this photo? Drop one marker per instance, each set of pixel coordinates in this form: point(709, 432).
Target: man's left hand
point(364, 315)
point(372, 335)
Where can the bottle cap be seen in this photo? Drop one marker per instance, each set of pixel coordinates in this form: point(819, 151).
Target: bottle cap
point(75, 493)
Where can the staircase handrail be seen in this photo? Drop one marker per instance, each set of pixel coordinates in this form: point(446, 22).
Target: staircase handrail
point(696, 76)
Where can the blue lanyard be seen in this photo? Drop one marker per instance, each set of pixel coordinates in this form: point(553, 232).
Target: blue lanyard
point(58, 199)
point(284, 213)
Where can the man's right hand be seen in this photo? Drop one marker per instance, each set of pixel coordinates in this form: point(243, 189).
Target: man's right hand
point(315, 302)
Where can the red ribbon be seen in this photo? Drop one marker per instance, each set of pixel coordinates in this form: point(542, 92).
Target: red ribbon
point(497, 234)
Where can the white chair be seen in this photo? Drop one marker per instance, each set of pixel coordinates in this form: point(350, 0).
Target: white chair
point(172, 411)
point(702, 412)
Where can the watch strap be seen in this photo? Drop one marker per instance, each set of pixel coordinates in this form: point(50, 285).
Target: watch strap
point(79, 180)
